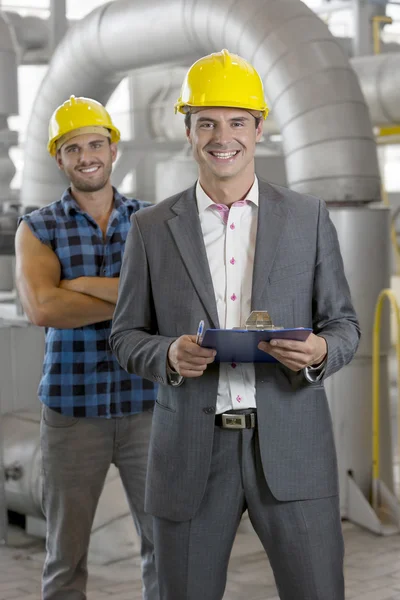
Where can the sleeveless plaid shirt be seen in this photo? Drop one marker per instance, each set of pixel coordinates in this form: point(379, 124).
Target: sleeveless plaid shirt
point(81, 377)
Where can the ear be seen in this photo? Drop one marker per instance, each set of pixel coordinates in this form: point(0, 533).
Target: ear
point(114, 151)
point(259, 130)
point(59, 160)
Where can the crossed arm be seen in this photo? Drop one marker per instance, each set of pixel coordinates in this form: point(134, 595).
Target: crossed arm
point(50, 302)
point(103, 288)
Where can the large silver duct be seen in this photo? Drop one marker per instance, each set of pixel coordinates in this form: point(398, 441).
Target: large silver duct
point(379, 78)
point(315, 96)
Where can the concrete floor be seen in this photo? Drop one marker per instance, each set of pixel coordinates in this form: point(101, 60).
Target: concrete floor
point(372, 570)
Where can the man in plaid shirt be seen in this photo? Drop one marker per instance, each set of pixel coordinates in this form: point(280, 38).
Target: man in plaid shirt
point(69, 257)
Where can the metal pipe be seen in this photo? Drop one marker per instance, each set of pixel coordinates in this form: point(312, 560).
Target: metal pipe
point(58, 22)
point(363, 12)
point(8, 105)
point(315, 96)
point(31, 33)
point(331, 7)
point(379, 78)
point(3, 503)
point(36, 37)
point(8, 69)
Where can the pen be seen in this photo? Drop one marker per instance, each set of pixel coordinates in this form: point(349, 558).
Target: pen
point(199, 333)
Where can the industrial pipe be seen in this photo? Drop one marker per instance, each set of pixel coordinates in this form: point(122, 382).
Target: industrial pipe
point(316, 99)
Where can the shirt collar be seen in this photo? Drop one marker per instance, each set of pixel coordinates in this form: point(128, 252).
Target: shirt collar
point(71, 206)
point(204, 201)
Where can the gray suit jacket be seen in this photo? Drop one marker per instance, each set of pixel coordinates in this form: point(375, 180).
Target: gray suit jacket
point(166, 288)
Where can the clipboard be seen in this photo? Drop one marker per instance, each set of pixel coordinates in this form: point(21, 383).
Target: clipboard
point(240, 345)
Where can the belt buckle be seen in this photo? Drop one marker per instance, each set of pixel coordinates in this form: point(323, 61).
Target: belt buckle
point(233, 421)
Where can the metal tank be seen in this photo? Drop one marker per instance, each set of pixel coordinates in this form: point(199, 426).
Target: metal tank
point(22, 461)
point(113, 533)
point(365, 245)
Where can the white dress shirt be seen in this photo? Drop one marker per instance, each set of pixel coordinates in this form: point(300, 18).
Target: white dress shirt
point(230, 241)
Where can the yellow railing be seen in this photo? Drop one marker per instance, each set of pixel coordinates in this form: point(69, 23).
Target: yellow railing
point(389, 294)
point(376, 30)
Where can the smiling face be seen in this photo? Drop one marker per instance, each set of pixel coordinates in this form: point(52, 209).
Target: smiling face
point(87, 161)
point(223, 141)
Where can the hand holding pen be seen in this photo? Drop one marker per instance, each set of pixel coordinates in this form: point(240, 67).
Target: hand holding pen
point(187, 357)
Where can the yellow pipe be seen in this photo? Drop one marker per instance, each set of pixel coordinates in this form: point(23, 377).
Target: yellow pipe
point(376, 30)
point(389, 294)
point(389, 130)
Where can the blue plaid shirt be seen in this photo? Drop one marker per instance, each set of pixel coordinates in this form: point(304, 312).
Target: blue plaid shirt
point(81, 377)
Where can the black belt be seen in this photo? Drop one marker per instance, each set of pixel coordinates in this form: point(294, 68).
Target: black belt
point(237, 420)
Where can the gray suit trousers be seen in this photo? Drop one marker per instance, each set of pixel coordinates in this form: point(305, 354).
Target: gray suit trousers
point(303, 539)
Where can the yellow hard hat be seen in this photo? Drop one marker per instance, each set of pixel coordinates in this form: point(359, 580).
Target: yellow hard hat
point(222, 79)
point(76, 114)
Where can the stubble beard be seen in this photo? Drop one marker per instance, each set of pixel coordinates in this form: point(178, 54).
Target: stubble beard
point(91, 186)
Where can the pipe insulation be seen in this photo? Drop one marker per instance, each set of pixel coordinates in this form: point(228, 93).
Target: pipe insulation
point(379, 77)
point(8, 106)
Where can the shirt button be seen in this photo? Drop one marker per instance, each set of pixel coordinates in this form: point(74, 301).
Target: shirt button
point(209, 410)
point(232, 225)
point(233, 365)
point(233, 297)
point(232, 261)
point(238, 398)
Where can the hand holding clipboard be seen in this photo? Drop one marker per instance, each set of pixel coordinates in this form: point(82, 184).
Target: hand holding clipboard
point(241, 345)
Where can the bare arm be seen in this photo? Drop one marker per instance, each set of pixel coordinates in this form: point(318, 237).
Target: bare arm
point(45, 303)
point(103, 288)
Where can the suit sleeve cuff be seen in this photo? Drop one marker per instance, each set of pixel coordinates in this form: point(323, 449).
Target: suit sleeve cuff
point(315, 374)
point(174, 378)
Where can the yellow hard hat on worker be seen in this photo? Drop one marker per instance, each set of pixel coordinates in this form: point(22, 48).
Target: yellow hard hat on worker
point(222, 79)
point(76, 116)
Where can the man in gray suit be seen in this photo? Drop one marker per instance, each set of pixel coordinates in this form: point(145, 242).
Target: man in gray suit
point(230, 437)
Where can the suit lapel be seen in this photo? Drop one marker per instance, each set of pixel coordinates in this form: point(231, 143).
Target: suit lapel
point(186, 231)
point(272, 215)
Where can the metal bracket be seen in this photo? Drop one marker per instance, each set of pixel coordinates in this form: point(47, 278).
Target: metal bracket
point(259, 320)
point(13, 472)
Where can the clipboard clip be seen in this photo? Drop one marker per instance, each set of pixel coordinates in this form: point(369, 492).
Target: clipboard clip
point(259, 320)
